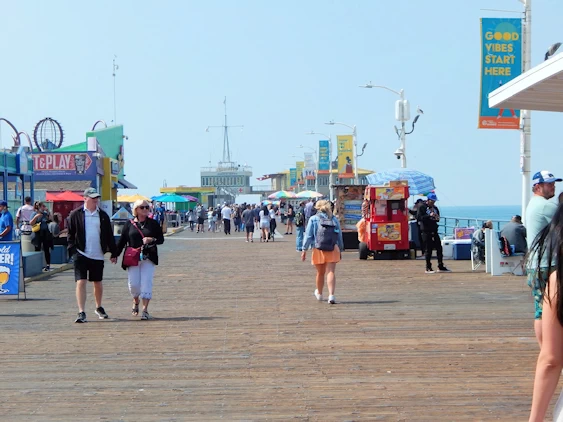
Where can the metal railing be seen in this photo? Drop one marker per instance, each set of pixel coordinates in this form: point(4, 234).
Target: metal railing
point(449, 224)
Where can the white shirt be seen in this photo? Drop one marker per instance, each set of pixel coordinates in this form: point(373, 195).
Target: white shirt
point(93, 235)
point(23, 217)
point(226, 213)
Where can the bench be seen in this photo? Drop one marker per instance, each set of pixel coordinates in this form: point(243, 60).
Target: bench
point(33, 263)
point(498, 263)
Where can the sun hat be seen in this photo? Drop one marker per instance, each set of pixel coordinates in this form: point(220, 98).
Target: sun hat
point(432, 196)
point(545, 176)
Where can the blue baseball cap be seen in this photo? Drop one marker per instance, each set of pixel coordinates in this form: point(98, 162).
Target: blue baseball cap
point(432, 196)
point(545, 176)
point(3, 204)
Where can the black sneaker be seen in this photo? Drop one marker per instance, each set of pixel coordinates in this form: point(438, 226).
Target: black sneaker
point(81, 317)
point(443, 269)
point(429, 271)
point(101, 313)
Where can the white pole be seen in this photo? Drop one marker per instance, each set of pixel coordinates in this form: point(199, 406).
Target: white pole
point(403, 137)
point(525, 115)
point(355, 140)
point(330, 190)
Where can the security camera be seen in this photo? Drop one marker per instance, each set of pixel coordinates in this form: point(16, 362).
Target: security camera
point(398, 153)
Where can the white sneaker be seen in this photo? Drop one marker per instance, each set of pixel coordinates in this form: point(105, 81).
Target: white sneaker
point(318, 295)
point(331, 300)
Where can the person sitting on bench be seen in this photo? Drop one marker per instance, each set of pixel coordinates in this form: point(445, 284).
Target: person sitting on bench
point(478, 242)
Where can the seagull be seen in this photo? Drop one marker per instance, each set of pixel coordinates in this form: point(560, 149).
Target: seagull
point(419, 110)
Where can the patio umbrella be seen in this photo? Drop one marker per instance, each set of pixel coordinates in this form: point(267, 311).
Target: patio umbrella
point(419, 182)
point(169, 197)
point(309, 194)
point(266, 202)
point(281, 194)
point(191, 198)
point(66, 196)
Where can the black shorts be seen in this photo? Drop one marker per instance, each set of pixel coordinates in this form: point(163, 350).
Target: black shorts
point(249, 229)
point(86, 268)
point(199, 220)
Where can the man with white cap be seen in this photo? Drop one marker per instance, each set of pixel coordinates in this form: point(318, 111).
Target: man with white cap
point(428, 216)
point(539, 213)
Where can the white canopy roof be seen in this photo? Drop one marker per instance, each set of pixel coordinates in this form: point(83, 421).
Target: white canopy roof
point(540, 88)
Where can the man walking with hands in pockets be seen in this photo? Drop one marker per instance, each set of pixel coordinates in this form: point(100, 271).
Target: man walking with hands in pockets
point(90, 236)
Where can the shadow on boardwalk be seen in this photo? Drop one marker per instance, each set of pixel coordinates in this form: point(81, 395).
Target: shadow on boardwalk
point(238, 335)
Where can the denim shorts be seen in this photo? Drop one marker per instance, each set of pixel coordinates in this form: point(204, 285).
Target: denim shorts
point(535, 282)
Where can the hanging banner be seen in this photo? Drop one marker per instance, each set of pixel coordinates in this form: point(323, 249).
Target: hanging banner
point(309, 166)
point(324, 158)
point(345, 157)
point(501, 61)
point(299, 166)
point(10, 268)
point(292, 176)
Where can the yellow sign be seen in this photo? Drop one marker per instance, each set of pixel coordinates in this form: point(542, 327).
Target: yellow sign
point(345, 156)
point(389, 194)
point(389, 232)
point(300, 166)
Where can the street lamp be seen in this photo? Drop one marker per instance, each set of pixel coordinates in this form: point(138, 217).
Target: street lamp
point(329, 137)
point(316, 161)
point(402, 114)
point(355, 142)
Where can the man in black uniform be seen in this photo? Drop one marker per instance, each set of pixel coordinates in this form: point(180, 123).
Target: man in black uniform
point(428, 217)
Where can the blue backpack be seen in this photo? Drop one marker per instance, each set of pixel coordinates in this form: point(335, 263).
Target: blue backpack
point(327, 234)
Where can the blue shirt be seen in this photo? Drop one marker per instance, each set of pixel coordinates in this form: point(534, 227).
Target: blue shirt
point(6, 220)
point(311, 231)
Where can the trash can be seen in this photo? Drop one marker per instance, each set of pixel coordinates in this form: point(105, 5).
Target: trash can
point(26, 244)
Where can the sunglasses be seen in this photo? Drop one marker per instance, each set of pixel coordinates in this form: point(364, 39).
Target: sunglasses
point(143, 207)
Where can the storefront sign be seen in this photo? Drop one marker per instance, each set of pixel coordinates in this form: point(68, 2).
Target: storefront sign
point(54, 165)
point(501, 61)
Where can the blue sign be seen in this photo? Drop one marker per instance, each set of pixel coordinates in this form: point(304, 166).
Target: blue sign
point(324, 157)
point(501, 61)
point(10, 268)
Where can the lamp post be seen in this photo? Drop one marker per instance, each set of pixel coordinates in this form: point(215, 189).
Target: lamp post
point(402, 114)
point(355, 142)
point(316, 161)
point(329, 137)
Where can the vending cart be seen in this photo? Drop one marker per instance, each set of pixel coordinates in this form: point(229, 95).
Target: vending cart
point(387, 222)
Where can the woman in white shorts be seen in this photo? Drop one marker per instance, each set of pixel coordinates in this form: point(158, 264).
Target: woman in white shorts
point(264, 224)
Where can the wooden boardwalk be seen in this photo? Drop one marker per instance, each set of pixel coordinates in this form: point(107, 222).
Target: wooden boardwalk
point(238, 335)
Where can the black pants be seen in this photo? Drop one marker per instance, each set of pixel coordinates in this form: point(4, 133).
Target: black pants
point(45, 244)
point(227, 225)
point(432, 241)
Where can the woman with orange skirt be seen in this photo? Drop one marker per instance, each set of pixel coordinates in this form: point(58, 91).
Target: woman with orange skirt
point(324, 260)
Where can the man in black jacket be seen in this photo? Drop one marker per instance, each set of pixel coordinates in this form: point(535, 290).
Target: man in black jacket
point(428, 217)
point(90, 236)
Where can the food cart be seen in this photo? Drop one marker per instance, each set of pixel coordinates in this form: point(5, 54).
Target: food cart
point(387, 222)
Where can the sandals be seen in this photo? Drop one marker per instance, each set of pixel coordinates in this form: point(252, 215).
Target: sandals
point(135, 309)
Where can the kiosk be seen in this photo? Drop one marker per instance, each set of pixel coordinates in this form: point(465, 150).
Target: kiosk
point(387, 222)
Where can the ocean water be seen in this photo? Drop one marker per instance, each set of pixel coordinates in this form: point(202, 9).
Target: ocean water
point(505, 212)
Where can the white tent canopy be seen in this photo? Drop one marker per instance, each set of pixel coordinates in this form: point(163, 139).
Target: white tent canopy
point(540, 88)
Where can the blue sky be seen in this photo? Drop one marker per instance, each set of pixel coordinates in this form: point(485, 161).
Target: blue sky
point(286, 68)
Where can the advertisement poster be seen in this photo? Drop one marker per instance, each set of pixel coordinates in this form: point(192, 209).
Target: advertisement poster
point(345, 156)
point(9, 268)
point(54, 165)
point(309, 166)
point(349, 201)
point(501, 61)
point(292, 176)
point(463, 232)
point(324, 157)
point(299, 167)
point(389, 232)
point(389, 194)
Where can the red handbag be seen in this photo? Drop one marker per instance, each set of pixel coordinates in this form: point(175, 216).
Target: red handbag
point(132, 256)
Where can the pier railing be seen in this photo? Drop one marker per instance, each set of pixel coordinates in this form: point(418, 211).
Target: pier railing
point(448, 224)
